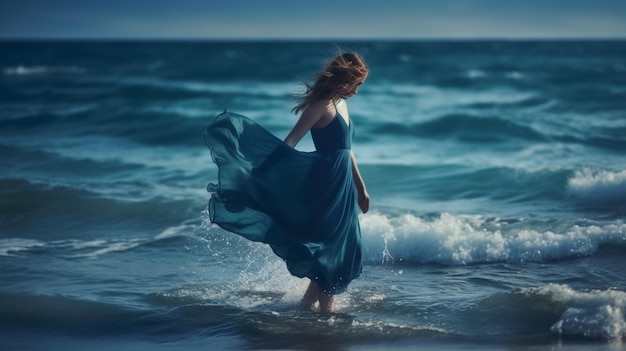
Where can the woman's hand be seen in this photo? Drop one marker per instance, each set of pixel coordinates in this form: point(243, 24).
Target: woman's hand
point(364, 200)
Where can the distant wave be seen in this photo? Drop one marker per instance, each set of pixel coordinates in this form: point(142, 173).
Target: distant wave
point(239, 88)
point(33, 160)
point(13, 246)
point(598, 187)
point(477, 128)
point(464, 127)
point(433, 96)
point(66, 248)
point(177, 235)
point(460, 240)
point(503, 185)
point(28, 204)
point(41, 70)
point(165, 128)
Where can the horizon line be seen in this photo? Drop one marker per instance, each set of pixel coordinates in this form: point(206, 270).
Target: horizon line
point(314, 39)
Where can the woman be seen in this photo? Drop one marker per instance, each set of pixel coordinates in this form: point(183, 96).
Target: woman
point(303, 204)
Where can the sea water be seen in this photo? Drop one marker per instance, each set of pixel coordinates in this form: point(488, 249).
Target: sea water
point(496, 170)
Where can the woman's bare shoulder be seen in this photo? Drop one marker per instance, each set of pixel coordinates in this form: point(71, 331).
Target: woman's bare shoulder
point(318, 106)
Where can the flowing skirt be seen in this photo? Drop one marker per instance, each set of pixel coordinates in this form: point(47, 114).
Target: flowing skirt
point(303, 204)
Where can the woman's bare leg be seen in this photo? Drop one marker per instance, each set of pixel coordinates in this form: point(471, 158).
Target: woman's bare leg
point(311, 296)
point(326, 302)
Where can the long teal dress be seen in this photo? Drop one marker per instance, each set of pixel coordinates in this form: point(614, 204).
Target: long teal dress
point(303, 204)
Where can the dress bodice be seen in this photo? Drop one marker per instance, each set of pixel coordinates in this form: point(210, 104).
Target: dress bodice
point(332, 137)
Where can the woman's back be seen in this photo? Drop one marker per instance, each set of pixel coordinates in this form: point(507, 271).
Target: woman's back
point(332, 137)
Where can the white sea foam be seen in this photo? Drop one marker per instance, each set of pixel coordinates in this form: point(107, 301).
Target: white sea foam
point(21, 70)
point(459, 240)
point(475, 74)
point(594, 313)
point(91, 248)
point(176, 230)
point(67, 248)
point(389, 327)
point(263, 283)
point(598, 187)
point(11, 246)
point(112, 247)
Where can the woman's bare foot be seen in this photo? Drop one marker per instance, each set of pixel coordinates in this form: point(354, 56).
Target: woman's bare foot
point(313, 295)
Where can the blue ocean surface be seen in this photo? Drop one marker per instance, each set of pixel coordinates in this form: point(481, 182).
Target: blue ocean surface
point(496, 170)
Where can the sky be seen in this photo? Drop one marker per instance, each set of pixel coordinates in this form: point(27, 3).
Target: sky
point(313, 19)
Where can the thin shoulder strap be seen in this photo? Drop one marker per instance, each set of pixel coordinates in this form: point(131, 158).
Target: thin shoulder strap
point(336, 103)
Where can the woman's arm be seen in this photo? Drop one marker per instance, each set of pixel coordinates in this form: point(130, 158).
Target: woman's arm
point(310, 116)
point(363, 196)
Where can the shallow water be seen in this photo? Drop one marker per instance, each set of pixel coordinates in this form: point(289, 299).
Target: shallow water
point(496, 170)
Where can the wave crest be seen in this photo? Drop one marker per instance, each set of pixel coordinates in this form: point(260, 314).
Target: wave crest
point(598, 187)
point(589, 314)
point(461, 240)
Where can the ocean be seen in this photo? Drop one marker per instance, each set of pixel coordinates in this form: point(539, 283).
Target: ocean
point(496, 170)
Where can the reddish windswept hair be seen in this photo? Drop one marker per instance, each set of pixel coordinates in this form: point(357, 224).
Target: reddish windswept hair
point(341, 76)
